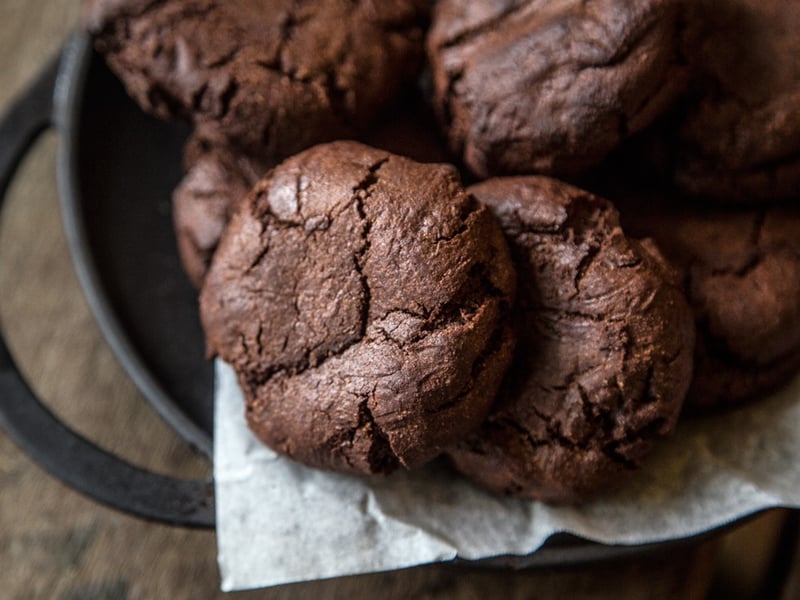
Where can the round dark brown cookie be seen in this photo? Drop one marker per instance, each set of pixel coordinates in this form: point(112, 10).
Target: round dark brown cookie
point(217, 177)
point(272, 77)
point(739, 138)
point(604, 355)
point(361, 298)
point(530, 86)
point(742, 277)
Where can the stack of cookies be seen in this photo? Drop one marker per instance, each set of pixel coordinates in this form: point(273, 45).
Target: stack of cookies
point(378, 313)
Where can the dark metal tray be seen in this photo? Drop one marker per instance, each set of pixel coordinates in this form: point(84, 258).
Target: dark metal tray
point(117, 168)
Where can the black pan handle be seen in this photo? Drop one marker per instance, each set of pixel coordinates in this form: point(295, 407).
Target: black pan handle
point(59, 450)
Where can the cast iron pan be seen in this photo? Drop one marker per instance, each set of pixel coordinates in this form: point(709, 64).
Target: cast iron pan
point(117, 168)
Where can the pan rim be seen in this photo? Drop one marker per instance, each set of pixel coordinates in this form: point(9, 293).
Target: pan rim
point(68, 104)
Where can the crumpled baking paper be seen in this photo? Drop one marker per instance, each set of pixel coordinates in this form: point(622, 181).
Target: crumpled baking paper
point(280, 522)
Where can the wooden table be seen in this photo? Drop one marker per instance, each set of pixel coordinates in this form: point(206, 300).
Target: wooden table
point(54, 543)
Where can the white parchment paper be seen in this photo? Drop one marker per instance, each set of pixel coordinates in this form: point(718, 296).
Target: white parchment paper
point(280, 522)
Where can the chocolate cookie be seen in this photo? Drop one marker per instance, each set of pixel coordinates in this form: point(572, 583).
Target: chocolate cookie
point(742, 277)
point(361, 299)
point(526, 86)
point(604, 356)
point(739, 138)
point(216, 178)
point(270, 77)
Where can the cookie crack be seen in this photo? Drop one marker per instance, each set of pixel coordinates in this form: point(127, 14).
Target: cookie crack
point(226, 98)
point(263, 251)
point(152, 5)
point(602, 422)
point(198, 96)
point(587, 406)
point(556, 314)
point(555, 435)
point(597, 416)
point(478, 367)
point(277, 69)
point(613, 453)
point(743, 271)
point(361, 194)
point(625, 48)
point(287, 29)
point(467, 211)
point(523, 432)
point(646, 433)
point(224, 59)
point(474, 293)
point(278, 63)
point(583, 266)
point(485, 26)
point(158, 95)
point(381, 456)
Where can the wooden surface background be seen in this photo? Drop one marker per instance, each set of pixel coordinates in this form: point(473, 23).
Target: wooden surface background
point(56, 544)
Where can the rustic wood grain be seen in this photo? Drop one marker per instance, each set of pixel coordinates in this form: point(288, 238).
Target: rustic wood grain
point(54, 543)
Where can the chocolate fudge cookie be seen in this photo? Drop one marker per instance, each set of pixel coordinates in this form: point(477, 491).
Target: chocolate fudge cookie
point(361, 298)
point(526, 86)
point(742, 277)
point(216, 178)
point(272, 77)
point(739, 138)
point(604, 356)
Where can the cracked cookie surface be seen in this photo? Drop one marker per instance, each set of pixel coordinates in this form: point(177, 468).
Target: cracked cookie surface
point(604, 353)
point(739, 138)
point(272, 77)
point(362, 299)
point(535, 86)
point(741, 273)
